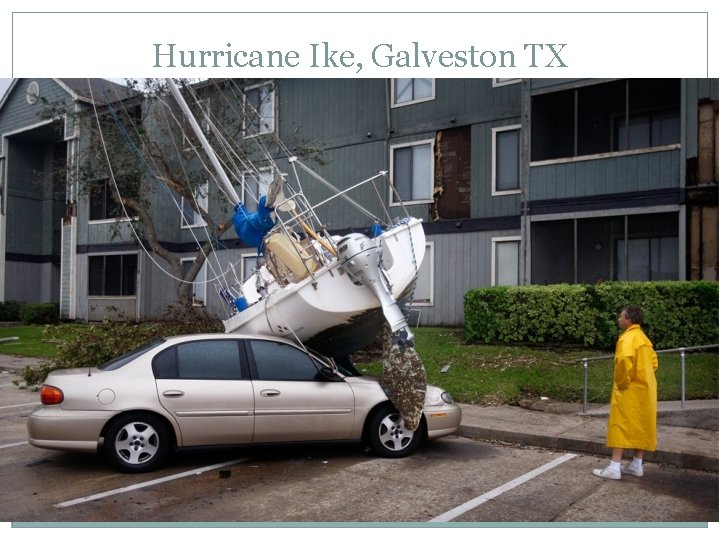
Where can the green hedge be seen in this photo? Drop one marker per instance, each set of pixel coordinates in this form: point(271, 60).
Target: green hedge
point(677, 313)
point(10, 311)
point(46, 313)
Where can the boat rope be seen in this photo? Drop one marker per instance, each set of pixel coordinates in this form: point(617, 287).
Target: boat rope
point(219, 170)
point(233, 162)
point(143, 159)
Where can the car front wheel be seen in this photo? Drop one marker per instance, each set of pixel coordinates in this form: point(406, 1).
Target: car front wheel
point(388, 435)
point(136, 442)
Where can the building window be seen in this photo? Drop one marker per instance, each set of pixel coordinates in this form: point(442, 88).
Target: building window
point(646, 130)
point(606, 117)
point(199, 288)
point(412, 168)
point(188, 216)
point(506, 160)
point(102, 204)
point(249, 264)
point(648, 259)
point(259, 112)
point(112, 275)
point(423, 295)
point(408, 91)
point(593, 249)
point(255, 185)
point(506, 261)
point(504, 82)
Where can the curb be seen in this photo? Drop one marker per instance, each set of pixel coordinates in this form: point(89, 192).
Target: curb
point(687, 460)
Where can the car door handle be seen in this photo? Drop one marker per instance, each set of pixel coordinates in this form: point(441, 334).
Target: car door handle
point(269, 393)
point(173, 393)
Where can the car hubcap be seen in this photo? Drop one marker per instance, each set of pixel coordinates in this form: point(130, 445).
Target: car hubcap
point(137, 442)
point(393, 433)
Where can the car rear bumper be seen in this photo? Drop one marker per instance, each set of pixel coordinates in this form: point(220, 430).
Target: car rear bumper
point(58, 429)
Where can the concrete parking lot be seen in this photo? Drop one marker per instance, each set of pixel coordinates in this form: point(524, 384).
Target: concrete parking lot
point(451, 481)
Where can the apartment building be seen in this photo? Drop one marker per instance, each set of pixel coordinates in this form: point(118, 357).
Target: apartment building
point(518, 181)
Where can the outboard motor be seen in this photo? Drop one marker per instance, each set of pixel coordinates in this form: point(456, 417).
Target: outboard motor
point(360, 257)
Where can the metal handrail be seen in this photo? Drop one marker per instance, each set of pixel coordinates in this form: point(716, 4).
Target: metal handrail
point(681, 350)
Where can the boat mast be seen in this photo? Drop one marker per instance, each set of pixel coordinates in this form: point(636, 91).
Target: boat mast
point(228, 189)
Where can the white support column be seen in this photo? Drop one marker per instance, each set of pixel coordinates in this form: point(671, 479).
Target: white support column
point(3, 207)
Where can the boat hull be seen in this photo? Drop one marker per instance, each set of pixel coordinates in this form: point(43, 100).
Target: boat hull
point(330, 313)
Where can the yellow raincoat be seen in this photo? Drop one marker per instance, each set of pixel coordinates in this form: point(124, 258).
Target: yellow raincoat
point(633, 404)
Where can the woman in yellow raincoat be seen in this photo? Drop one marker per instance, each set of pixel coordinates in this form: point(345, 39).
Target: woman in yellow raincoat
point(633, 404)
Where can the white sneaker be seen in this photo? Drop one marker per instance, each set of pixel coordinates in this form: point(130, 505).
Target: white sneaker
point(608, 473)
point(628, 468)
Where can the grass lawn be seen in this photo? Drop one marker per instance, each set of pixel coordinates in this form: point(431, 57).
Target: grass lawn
point(491, 374)
point(30, 341)
point(482, 374)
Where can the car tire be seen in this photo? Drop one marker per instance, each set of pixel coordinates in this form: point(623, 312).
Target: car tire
point(388, 435)
point(136, 442)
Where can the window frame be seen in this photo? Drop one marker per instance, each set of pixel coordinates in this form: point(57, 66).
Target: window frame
point(253, 175)
point(653, 248)
point(622, 121)
point(497, 83)
point(392, 190)
point(198, 281)
point(429, 259)
point(273, 97)
point(244, 257)
point(493, 257)
point(106, 183)
point(113, 254)
point(495, 192)
point(203, 202)
point(394, 104)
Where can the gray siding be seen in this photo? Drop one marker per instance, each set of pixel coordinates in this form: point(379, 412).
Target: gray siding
point(484, 204)
point(31, 282)
point(18, 114)
point(461, 262)
point(606, 175)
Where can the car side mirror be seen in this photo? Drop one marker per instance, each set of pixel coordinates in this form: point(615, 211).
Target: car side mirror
point(330, 374)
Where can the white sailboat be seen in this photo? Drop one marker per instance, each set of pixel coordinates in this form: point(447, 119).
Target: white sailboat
point(334, 294)
point(331, 293)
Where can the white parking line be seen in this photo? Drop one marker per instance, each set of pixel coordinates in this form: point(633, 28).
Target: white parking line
point(12, 444)
point(20, 405)
point(477, 501)
point(141, 485)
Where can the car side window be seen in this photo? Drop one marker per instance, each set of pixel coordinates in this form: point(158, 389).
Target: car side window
point(208, 360)
point(281, 362)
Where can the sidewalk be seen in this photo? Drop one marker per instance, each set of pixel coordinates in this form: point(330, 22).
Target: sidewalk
point(15, 364)
point(687, 437)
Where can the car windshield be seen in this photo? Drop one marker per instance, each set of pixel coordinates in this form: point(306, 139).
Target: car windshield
point(128, 357)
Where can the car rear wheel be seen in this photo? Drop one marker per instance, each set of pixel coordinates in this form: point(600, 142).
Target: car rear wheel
point(388, 435)
point(136, 442)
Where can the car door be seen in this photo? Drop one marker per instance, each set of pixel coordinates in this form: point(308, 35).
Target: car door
point(204, 384)
point(293, 401)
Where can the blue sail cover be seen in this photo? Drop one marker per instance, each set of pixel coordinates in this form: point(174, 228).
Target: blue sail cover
point(251, 227)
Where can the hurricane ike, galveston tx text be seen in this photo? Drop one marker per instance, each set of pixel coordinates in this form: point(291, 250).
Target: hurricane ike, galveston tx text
point(382, 55)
